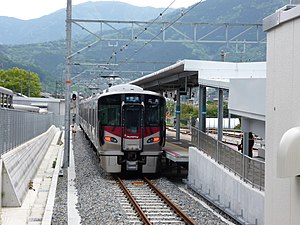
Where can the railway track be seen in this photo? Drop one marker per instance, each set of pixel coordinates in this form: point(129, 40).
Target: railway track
point(145, 204)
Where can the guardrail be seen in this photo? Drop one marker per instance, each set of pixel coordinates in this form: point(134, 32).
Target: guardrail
point(249, 169)
point(18, 127)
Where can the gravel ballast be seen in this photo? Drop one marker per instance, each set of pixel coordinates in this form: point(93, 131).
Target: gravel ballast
point(97, 197)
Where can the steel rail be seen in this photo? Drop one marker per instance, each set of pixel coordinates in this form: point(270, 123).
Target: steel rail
point(134, 203)
point(186, 219)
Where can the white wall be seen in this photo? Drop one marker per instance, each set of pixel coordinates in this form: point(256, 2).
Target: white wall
point(247, 97)
point(20, 166)
point(226, 70)
point(213, 178)
point(282, 204)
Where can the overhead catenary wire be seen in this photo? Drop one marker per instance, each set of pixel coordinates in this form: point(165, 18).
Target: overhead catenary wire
point(114, 53)
point(183, 13)
point(142, 32)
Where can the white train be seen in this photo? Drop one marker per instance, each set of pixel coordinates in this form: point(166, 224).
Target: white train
point(126, 125)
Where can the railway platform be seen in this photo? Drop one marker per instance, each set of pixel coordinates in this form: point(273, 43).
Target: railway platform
point(174, 150)
point(177, 152)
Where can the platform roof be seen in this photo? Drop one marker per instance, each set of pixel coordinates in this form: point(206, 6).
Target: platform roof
point(171, 77)
point(190, 73)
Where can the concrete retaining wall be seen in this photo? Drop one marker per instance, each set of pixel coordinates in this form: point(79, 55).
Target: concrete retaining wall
point(20, 165)
point(224, 189)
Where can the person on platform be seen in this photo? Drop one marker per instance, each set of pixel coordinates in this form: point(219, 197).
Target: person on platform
point(250, 145)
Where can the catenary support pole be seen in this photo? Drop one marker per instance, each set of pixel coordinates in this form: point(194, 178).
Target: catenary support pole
point(202, 108)
point(68, 83)
point(178, 115)
point(220, 115)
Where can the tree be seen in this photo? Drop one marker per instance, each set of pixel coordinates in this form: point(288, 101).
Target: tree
point(188, 111)
point(212, 109)
point(21, 81)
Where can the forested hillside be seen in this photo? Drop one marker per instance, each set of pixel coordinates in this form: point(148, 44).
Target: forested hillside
point(50, 56)
point(52, 27)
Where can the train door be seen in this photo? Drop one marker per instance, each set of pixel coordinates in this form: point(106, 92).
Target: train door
point(132, 128)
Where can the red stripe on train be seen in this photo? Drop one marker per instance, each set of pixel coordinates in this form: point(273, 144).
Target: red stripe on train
point(118, 131)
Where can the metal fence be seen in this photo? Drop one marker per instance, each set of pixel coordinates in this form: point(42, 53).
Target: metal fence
point(249, 169)
point(17, 127)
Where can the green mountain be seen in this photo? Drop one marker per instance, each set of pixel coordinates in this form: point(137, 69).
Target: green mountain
point(7, 63)
point(234, 11)
point(134, 60)
point(52, 27)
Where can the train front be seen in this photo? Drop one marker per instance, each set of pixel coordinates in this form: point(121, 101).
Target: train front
point(131, 132)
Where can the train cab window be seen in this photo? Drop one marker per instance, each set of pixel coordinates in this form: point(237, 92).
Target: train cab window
point(132, 121)
point(110, 110)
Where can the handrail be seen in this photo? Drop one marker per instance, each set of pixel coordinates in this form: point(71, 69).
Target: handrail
point(249, 169)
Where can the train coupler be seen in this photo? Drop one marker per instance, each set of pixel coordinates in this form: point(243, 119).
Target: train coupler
point(131, 165)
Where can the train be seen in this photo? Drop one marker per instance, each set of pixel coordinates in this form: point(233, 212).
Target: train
point(126, 126)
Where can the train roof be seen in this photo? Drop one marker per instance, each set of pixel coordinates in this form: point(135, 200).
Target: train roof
point(127, 88)
point(124, 88)
point(121, 89)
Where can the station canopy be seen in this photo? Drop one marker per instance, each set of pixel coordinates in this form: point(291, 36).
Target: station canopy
point(190, 73)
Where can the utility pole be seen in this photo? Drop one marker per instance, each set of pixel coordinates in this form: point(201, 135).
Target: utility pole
point(68, 83)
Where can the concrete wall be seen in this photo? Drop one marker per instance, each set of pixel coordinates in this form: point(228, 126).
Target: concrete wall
point(20, 165)
point(283, 112)
point(224, 188)
point(226, 70)
point(247, 97)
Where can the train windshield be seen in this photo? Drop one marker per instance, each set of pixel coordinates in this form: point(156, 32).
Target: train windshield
point(110, 110)
point(132, 121)
point(154, 111)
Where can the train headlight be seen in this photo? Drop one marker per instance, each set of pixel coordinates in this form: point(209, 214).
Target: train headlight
point(110, 139)
point(153, 139)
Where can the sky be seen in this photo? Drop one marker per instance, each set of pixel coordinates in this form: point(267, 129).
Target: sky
point(31, 9)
